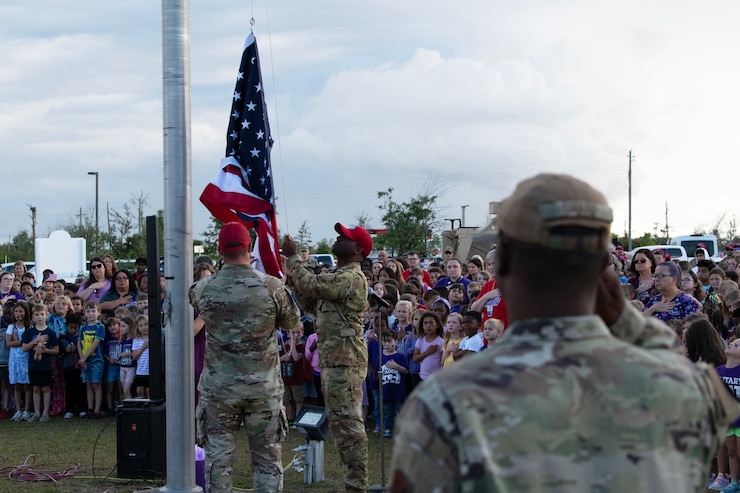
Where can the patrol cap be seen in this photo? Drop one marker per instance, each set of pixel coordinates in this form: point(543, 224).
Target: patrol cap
point(235, 233)
point(548, 201)
point(358, 235)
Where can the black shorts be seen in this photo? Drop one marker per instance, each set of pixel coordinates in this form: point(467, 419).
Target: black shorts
point(40, 378)
point(141, 381)
point(4, 374)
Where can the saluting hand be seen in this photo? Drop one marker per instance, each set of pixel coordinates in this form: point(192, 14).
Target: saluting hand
point(609, 298)
point(289, 248)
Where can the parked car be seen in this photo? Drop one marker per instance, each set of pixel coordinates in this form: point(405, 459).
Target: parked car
point(691, 243)
point(675, 251)
point(30, 266)
point(324, 258)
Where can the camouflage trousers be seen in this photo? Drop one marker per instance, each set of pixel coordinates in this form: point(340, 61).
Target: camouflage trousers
point(342, 388)
point(218, 421)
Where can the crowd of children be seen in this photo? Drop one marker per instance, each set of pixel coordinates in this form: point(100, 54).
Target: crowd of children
point(77, 362)
point(61, 357)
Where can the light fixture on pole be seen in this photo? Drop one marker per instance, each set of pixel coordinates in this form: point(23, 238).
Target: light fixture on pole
point(312, 422)
point(97, 208)
point(463, 207)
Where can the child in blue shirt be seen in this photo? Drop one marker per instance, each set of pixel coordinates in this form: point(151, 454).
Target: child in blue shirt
point(75, 395)
point(111, 350)
point(395, 365)
point(89, 341)
point(40, 342)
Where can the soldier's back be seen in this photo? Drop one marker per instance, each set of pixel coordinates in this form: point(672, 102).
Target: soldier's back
point(240, 307)
point(560, 407)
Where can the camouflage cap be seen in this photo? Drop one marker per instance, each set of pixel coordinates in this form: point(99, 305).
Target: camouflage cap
point(547, 201)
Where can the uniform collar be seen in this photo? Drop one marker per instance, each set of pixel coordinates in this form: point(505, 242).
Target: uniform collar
point(568, 328)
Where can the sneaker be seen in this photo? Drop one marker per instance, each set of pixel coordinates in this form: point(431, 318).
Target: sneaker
point(4, 414)
point(69, 415)
point(44, 419)
point(26, 416)
point(733, 487)
point(33, 418)
point(83, 414)
point(720, 483)
point(17, 416)
point(388, 434)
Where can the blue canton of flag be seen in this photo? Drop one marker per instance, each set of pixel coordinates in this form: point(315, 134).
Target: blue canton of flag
point(242, 191)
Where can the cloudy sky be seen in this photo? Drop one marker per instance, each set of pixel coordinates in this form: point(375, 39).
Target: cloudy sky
point(363, 96)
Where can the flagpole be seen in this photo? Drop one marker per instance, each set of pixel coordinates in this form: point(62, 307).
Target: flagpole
point(178, 240)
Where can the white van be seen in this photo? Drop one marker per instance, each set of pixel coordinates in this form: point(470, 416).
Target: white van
point(691, 243)
point(676, 252)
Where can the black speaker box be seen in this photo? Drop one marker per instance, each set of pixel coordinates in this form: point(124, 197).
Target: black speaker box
point(141, 432)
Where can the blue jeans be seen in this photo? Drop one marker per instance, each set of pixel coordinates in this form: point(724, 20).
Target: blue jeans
point(93, 373)
point(376, 407)
point(390, 411)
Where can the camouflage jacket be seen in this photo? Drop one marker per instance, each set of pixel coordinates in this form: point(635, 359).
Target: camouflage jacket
point(562, 405)
point(340, 301)
point(241, 308)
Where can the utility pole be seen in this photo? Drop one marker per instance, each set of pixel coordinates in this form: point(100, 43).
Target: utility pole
point(629, 206)
point(33, 222)
point(110, 236)
point(80, 214)
point(667, 236)
point(96, 174)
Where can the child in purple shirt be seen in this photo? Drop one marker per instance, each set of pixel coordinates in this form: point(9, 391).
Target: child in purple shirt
point(428, 351)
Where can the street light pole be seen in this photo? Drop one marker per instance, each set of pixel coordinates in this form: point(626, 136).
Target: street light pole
point(97, 209)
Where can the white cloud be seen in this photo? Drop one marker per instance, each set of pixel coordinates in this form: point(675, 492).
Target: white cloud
point(377, 95)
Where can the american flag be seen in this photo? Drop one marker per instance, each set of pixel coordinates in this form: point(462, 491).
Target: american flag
point(242, 190)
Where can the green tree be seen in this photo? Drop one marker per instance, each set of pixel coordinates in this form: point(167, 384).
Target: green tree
point(409, 223)
point(644, 240)
point(304, 235)
point(323, 246)
point(210, 238)
point(20, 247)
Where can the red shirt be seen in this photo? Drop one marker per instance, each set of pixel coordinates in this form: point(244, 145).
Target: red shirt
point(427, 280)
point(494, 308)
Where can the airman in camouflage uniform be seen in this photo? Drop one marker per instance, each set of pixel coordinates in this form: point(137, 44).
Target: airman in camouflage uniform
point(241, 381)
point(563, 402)
point(339, 299)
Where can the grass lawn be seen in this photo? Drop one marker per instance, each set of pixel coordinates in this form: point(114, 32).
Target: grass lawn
point(65, 443)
